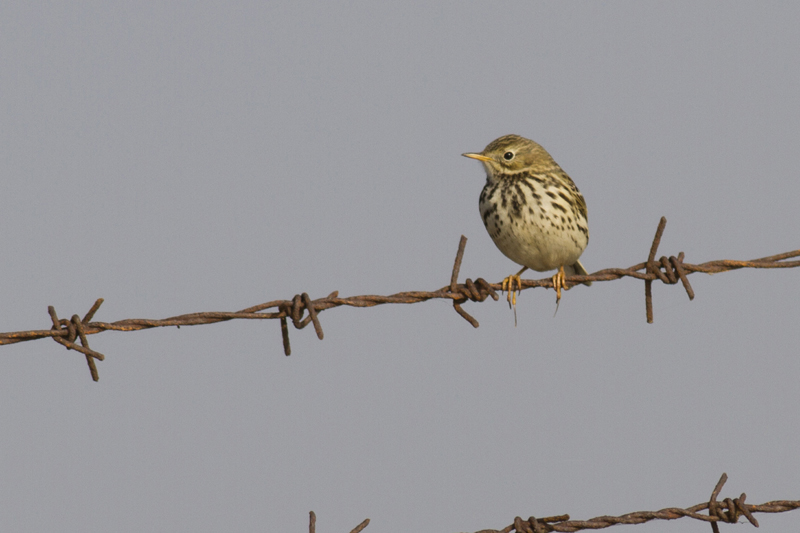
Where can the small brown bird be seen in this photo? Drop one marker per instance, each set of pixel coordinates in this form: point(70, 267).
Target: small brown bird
point(532, 210)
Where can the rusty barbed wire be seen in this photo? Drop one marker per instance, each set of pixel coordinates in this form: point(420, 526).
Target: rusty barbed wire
point(302, 310)
point(728, 511)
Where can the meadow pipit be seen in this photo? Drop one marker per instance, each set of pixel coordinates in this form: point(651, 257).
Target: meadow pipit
point(532, 210)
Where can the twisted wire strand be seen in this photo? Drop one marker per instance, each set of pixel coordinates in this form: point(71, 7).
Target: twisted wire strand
point(728, 511)
point(302, 310)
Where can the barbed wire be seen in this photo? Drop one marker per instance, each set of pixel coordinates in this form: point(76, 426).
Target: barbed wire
point(312, 524)
point(728, 511)
point(302, 310)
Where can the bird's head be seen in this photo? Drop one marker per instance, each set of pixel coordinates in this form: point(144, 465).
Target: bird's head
point(511, 154)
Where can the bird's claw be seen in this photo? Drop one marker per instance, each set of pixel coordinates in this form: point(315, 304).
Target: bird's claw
point(559, 283)
point(508, 285)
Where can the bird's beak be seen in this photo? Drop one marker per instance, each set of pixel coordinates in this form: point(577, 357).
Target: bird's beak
point(479, 157)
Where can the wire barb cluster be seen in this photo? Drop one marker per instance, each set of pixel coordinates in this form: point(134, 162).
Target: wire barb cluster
point(302, 310)
point(728, 511)
point(75, 328)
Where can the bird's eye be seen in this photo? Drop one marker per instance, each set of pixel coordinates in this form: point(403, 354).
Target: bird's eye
point(508, 156)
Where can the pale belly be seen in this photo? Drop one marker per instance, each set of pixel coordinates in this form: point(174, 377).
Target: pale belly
point(534, 239)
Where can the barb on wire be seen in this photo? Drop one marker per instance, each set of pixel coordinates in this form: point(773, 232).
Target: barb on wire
point(729, 511)
point(302, 310)
point(312, 524)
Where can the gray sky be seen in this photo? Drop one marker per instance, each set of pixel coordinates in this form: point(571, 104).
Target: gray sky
point(199, 156)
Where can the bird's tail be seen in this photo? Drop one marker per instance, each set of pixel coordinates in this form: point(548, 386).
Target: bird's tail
point(577, 270)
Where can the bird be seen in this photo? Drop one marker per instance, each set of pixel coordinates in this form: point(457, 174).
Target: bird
point(533, 211)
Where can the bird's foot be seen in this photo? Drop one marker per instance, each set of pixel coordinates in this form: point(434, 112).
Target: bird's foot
point(508, 285)
point(559, 283)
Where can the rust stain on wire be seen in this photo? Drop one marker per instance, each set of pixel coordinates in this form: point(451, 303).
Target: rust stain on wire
point(302, 310)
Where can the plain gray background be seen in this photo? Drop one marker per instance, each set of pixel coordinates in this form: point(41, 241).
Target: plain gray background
point(208, 156)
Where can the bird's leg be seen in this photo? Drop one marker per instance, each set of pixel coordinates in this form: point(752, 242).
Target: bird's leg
point(559, 283)
point(508, 285)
